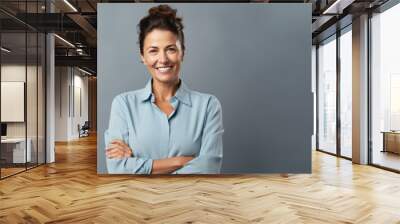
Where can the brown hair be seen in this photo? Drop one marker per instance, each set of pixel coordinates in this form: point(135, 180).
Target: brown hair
point(161, 17)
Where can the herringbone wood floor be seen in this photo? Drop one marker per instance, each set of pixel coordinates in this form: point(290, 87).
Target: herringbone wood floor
point(70, 191)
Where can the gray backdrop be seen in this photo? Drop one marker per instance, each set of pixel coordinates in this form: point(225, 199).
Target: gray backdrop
point(256, 58)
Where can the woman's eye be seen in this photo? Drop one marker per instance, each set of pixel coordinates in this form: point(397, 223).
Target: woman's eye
point(172, 50)
point(152, 51)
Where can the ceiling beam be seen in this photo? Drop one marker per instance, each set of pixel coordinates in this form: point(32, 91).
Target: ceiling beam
point(84, 61)
point(86, 26)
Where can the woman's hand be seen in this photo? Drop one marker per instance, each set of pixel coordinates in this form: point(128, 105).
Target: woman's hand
point(117, 149)
point(169, 165)
point(182, 160)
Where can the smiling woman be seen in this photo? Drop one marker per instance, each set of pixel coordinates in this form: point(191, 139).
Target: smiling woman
point(165, 127)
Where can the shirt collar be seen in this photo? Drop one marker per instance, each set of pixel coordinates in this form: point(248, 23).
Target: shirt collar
point(182, 94)
point(146, 93)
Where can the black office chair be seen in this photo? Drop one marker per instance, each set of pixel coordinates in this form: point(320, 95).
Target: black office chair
point(84, 130)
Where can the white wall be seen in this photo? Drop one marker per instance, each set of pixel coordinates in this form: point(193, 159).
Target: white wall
point(33, 126)
point(12, 73)
point(70, 83)
point(61, 103)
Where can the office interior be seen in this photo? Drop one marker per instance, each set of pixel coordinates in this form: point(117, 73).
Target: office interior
point(48, 82)
point(49, 91)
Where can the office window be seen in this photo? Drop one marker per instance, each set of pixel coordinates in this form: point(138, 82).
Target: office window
point(313, 89)
point(385, 88)
point(327, 95)
point(346, 92)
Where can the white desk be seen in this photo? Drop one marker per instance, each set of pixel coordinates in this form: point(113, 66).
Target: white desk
point(18, 149)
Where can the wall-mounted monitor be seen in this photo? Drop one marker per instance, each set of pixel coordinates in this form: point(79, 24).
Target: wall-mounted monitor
point(3, 129)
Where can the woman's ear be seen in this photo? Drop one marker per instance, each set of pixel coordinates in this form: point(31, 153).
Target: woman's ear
point(142, 59)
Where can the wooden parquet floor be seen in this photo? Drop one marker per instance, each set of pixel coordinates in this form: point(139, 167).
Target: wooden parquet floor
point(70, 191)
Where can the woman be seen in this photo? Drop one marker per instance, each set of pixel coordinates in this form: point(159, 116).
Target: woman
point(165, 127)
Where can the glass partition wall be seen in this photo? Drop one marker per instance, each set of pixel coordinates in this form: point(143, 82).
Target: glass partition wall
point(22, 87)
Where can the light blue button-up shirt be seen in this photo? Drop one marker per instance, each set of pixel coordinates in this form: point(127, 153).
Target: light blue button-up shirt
point(194, 128)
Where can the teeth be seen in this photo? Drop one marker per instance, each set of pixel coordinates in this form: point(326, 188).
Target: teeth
point(164, 69)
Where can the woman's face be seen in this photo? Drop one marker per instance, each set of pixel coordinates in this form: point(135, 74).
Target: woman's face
point(162, 55)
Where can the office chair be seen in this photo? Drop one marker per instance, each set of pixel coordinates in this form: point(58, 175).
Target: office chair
point(84, 130)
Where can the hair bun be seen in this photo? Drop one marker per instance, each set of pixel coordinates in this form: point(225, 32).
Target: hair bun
point(163, 11)
point(161, 17)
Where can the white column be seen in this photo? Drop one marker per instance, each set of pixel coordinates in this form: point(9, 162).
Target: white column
point(360, 90)
point(50, 93)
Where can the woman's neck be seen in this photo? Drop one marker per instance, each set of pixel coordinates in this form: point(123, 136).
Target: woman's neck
point(164, 91)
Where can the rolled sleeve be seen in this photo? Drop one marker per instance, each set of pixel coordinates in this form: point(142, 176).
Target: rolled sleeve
point(118, 129)
point(209, 160)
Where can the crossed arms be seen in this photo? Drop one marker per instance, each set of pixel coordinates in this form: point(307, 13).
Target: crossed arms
point(121, 160)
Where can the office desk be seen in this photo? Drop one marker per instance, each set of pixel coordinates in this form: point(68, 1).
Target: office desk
point(391, 141)
point(15, 148)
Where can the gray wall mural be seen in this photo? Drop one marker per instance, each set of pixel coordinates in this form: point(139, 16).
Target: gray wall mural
point(255, 58)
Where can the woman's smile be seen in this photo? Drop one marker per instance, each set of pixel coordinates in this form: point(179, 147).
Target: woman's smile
point(164, 69)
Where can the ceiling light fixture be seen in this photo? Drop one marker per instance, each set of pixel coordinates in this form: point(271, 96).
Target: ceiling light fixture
point(337, 7)
point(70, 5)
point(5, 50)
point(84, 71)
point(65, 41)
point(79, 51)
point(331, 7)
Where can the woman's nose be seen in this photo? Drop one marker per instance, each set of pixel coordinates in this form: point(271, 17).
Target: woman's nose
point(163, 58)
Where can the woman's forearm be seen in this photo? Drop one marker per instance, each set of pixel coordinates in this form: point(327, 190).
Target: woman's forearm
point(169, 165)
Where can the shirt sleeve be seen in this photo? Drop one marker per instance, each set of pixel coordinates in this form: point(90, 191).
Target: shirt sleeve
point(209, 160)
point(118, 129)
